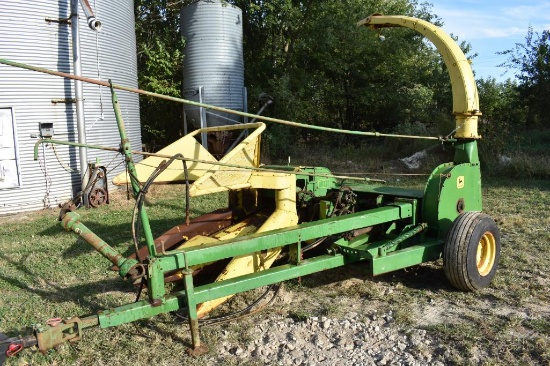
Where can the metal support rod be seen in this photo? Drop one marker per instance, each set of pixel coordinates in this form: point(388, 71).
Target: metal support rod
point(185, 128)
point(202, 113)
point(79, 95)
point(215, 108)
point(392, 244)
point(127, 151)
point(192, 310)
point(245, 104)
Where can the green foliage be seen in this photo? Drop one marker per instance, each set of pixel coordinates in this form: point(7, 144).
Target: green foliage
point(502, 116)
point(532, 64)
point(324, 70)
point(160, 60)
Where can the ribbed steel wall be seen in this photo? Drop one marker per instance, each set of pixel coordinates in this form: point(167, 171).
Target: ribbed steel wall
point(213, 57)
point(26, 37)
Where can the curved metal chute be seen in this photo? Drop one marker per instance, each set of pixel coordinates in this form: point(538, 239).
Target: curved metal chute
point(465, 96)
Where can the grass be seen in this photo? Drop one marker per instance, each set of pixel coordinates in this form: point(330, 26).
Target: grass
point(48, 273)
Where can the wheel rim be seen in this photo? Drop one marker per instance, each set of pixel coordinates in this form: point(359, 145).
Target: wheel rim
point(97, 197)
point(486, 251)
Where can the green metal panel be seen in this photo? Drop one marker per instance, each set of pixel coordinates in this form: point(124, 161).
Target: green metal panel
point(466, 152)
point(451, 190)
point(273, 239)
point(430, 203)
point(407, 257)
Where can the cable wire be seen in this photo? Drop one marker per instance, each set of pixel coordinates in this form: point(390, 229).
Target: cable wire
point(140, 197)
point(239, 314)
point(65, 166)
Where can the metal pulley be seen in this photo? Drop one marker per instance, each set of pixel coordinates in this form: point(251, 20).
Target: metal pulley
point(97, 197)
point(97, 191)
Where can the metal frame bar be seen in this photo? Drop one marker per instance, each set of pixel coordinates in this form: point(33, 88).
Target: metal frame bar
point(276, 238)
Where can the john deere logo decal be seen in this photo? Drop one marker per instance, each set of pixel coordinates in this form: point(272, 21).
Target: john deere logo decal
point(460, 182)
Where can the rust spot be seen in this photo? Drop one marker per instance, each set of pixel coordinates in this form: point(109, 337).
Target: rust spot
point(203, 225)
point(156, 302)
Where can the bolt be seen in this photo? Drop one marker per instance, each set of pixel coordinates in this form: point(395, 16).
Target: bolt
point(78, 231)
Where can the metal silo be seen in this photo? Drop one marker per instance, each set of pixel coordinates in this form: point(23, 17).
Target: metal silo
point(213, 62)
point(32, 105)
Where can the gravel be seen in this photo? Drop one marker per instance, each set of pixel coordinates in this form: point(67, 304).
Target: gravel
point(357, 339)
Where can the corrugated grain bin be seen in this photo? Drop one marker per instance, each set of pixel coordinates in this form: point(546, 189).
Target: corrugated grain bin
point(213, 59)
point(32, 34)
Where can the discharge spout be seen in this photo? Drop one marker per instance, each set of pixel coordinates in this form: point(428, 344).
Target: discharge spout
point(465, 95)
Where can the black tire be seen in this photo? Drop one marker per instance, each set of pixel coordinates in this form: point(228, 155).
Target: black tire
point(472, 251)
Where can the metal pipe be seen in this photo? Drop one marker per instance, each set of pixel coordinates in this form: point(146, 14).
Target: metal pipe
point(79, 95)
point(127, 151)
point(127, 266)
point(215, 108)
point(93, 23)
point(48, 182)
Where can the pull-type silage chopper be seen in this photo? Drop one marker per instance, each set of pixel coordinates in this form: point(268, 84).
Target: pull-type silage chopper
point(274, 210)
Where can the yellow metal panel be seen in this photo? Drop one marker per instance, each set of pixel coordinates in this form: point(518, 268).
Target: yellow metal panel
point(234, 231)
point(223, 178)
point(196, 241)
point(246, 154)
point(266, 180)
point(284, 215)
point(189, 147)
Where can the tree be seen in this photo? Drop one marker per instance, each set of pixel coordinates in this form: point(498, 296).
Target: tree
point(160, 70)
point(532, 64)
point(503, 115)
point(323, 70)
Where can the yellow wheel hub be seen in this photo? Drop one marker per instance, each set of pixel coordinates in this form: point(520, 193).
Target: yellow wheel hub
point(486, 252)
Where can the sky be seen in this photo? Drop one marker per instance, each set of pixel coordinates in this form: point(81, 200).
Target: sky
point(491, 26)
